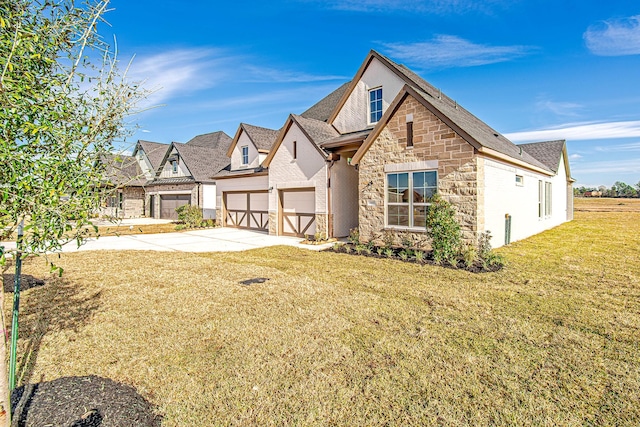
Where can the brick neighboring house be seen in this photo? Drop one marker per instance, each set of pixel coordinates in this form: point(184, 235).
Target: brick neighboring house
point(184, 176)
point(371, 154)
point(127, 181)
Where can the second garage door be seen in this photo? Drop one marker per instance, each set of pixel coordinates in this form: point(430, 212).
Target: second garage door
point(169, 203)
point(298, 212)
point(248, 209)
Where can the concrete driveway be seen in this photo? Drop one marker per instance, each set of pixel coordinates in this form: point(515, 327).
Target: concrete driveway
point(219, 239)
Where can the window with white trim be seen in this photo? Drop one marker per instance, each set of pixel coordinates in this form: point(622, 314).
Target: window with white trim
point(375, 105)
point(547, 199)
point(174, 166)
point(407, 199)
point(540, 198)
point(519, 180)
point(245, 155)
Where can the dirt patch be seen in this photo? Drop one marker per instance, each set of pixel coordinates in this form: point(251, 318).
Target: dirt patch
point(89, 401)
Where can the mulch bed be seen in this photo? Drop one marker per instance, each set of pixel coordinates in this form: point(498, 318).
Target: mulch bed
point(351, 249)
point(88, 401)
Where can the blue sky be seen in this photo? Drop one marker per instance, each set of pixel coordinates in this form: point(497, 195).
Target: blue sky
point(533, 70)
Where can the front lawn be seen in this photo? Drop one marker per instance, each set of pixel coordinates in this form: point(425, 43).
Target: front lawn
point(283, 336)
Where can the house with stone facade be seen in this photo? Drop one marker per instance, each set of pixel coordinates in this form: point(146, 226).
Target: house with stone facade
point(184, 176)
point(372, 153)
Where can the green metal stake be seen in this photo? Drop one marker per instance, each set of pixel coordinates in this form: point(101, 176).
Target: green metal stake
point(16, 307)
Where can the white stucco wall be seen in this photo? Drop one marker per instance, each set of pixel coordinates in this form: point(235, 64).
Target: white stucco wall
point(502, 196)
point(307, 171)
point(209, 201)
point(236, 156)
point(167, 170)
point(250, 183)
point(354, 115)
point(344, 197)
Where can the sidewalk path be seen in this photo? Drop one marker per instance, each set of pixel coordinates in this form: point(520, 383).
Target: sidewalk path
point(222, 239)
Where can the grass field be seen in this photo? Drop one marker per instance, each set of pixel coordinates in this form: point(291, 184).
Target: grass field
point(336, 339)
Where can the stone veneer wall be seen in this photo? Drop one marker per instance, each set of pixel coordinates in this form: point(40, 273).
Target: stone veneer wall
point(458, 170)
point(133, 203)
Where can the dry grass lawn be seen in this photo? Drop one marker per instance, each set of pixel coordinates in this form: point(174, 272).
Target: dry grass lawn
point(336, 339)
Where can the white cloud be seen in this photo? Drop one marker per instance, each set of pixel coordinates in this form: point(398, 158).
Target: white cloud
point(452, 51)
point(614, 37)
point(178, 71)
point(633, 146)
point(258, 74)
point(567, 109)
point(628, 166)
point(580, 131)
point(421, 6)
point(575, 156)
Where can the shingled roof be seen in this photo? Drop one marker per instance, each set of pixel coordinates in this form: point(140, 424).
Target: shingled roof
point(470, 126)
point(262, 138)
point(123, 171)
point(322, 109)
point(155, 151)
point(547, 152)
point(211, 140)
point(203, 162)
point(319, 131)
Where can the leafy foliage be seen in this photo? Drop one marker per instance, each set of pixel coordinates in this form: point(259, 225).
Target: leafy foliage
point(444, 231)
point(60, 111)
point(190, 216)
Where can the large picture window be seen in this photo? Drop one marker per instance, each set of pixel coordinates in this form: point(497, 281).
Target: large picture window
point(375, 105)
point(408, 195)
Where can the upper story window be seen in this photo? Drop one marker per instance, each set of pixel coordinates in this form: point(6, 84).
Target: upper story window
point(375, 105)
point(245, 155)
point(174, 166)
point(408, 195)
point(519, 180)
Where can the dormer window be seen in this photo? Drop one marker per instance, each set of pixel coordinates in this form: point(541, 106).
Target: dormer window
point(245, 155)
point(375, 105)
point(174, 166)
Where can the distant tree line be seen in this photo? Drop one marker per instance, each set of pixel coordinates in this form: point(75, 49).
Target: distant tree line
point(619, 189)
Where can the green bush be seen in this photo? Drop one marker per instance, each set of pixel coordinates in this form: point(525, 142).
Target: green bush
point(190, 216)
point(444, 231)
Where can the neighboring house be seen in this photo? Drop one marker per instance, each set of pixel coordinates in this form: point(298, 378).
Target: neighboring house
point(242, 187)
point(371, 154)
point(184, 176)
point(125, 181)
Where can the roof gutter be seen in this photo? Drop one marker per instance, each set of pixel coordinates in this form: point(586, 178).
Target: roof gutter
point(497, 155)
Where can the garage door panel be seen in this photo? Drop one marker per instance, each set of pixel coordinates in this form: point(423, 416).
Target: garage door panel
point(170, 202)
point(298, 212)
point(247, 210)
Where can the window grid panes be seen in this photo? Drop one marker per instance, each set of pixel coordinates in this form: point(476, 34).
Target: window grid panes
point(245, 155)
point(375, 105)
point(408, 195)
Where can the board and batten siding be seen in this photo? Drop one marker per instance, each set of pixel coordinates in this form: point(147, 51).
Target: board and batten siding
point(308, 170)
point(236, 155)
point(167, 170)
point(503, 196)
point(354, 115)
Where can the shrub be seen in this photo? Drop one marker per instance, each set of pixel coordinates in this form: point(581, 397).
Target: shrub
point(469, 255)
point(388, 252)
point(444, 231)
point(190, 216)
point(419, 256)
point(486, 255)
point(354, 236)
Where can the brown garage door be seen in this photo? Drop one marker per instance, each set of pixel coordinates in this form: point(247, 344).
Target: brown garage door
point(169, 203)
point(247, 210)
point(298, 217)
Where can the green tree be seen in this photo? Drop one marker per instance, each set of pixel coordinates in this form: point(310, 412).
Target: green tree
point(63, 102)
point(444, 230)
